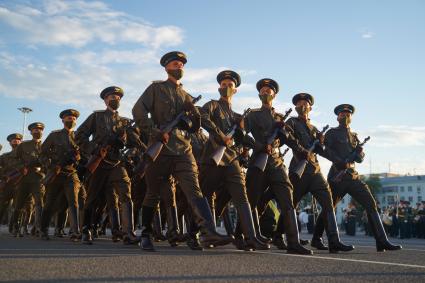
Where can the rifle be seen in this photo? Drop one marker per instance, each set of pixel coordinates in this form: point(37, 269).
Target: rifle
point(300, 167)
point(152, 152)
point(219, 152)
point(114, 140)
point(69, 157)
point(261, 160)
point(349, 159)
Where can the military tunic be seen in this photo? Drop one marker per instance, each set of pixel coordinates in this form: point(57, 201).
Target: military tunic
point(8, 163)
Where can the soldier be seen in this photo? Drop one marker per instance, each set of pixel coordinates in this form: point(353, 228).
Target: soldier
point(61, 155)
point(312, 179)
point(9, 164)
point(28, 153)
point(218, 119)
point(262, 123)
point(109, 136)
point(340, 143)
point(164, 100)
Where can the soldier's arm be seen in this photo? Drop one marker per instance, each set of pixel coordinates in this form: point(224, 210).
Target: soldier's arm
point(208, 124)
point(249, 141)
point(133, 139)
point(194, 115)
point(141, 110)
point(330, 153)
point(83, 133)
point(290, 139)
point(359, 151)
point(47, 150)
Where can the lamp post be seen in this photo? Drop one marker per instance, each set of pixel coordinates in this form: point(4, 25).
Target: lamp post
point(25, 111)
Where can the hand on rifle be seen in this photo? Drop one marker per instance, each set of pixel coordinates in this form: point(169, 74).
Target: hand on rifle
point(227, 141)
point(24, 171)
point(321, 138)
point(359, 149)
point(240, 122)
point(268, 149)
point(307, 155)
point(103, 151)
point(57, 169)
point(163, 137)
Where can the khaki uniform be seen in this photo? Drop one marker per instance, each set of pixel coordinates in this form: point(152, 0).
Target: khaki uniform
point(60, 149)
point(28, 154)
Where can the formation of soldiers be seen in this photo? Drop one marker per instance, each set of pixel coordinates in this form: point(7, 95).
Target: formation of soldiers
point(162, 164)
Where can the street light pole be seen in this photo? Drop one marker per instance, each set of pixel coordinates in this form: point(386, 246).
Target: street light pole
point(25, 111)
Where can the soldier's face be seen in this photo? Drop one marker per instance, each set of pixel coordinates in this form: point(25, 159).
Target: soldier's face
point(267, 94)
point(37, 133)
point(69, 122)
point(113, 101)
point(344, 118)
point(174, 65)
point(227, 88)
point(15, 142)
point(303, 107)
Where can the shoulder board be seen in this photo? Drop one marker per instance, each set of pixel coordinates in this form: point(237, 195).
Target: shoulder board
point(56, 131)
point(255, 109)
point(99, 111)
point(157, 82)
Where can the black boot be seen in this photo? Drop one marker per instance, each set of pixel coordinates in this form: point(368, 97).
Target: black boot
point(334, 242)
point(115, 225)
point(127, 225)
point(239, 241)
point(74, 225)
point(247, 223)
point(292, 236)
point(227, 221)
point(256, 220)
point(172, 226)
point(210, 236)
point(157, 227)
point(45, 219)
point(146, 238)
point(192, 228)
point(382, 243)
point(317, 240)
point(279, 242)
point(86, 237)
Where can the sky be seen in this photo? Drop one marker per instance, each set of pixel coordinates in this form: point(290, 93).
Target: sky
point(56, 55)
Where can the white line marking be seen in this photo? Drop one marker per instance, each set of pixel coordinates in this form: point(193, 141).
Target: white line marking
point(346, 259)
point(403, 249)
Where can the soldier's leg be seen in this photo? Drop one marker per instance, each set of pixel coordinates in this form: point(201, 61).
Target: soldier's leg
point(22, 195)
point(234, 183)
point(338, 193)
point(361, 193)
point(320, 189)
point(113, 210)
point(168, 198)
point(6, 197)
point(156, 173)
point(282, 189)
point(27, 217)
point(71, 191)
point(185, 171)
point(37, 190)
point(53, 191)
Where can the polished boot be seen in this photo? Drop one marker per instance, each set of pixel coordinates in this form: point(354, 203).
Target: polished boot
point(292, 236)
point(146, 237)
point(73, 222)
point(279, 242)
point(37, 218)
point(115, 225)
point(86, 237)
point(317, 240)
point(256, 220)
point(334, 242)
point(127, 224)
point(192, 240)
point(210, 237)
point(382, 243)
point(157, 227)
point(247, 223)
point(173, 230)
point(239, 241)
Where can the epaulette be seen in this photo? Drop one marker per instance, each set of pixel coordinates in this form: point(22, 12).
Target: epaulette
point(157, 82)
point(99, 111)
point(255, 109)
point(56, 131)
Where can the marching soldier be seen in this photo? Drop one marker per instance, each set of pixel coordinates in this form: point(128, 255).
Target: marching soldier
point(9, 164)
point(312, 179)
point(164, 100)
point(61, 155)
point(28, 153)
point(340, 144)
point(262, 123)
point(218, 119)
point(109, 178)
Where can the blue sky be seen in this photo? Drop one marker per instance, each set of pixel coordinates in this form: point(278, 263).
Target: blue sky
point(61, 54)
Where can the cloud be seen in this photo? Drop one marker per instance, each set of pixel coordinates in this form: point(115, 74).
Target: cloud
point(79, 23)
point(396, 136)
point(365, 34)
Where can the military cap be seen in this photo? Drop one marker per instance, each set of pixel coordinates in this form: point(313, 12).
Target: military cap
point(303, 96)
point(344, 108)
point(268, 82)
point(69, 112)
point(15, 136)
point(36, 125)
point(112, 90)
point(171, 56)
point(231, 75)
